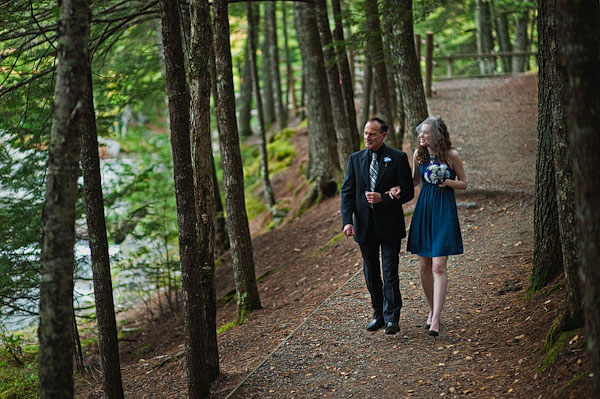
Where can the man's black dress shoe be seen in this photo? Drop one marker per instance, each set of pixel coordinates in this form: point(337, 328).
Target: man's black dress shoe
point(392, 328)
point(375, 325)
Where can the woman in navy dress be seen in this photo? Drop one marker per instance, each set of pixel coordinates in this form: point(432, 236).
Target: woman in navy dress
point(434, 231)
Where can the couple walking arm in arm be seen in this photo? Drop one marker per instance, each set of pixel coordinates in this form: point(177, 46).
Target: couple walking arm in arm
point(372, 213)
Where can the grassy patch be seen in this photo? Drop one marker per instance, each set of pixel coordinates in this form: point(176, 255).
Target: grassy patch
point(19, 381)
point(332, 242)
point(227, 327)
point(265, 275)
point(552, 352)
point(142, 351)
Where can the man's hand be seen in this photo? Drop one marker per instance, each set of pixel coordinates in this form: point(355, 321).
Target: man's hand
point(394, 192)
point(373, 197)
point(348, 230)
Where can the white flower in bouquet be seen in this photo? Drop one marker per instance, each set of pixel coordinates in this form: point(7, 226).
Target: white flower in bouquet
point(436, 173)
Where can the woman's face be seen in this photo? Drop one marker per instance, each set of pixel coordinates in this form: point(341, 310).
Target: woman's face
point(426, 136)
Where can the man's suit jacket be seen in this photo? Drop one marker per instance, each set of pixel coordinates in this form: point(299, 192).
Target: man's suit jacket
point(394, 170)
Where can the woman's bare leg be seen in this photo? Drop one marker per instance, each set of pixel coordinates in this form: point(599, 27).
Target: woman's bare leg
point(427, 282)
point(440, 286)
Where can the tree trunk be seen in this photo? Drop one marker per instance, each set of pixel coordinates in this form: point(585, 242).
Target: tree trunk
point(411, 82)
point(579, 21)
point(264, 156)
point(347, 141)
point(246, 94)
point(204, 177)
point(233, 175)
point(501, 19)
point(98, 241)
point(521, 42)
point(267, 78)
point(323, 162)
point(547, 253)
point(290, 92)
point(193, 277)
point(56, 287)
point(344, 69)
point(376, 54)
point(366, 94)
point(485, 42)
point(280, 110)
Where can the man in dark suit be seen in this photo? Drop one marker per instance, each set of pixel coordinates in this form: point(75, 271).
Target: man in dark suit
point(376, 220)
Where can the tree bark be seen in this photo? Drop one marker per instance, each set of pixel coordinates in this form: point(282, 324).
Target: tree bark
point(267, 78)
point(280, 110)
point(581, 52)
point(98, 241)
point(485, 42)
point(411, 82)
point(323, 162)
point(380, 75)
point(264, 156)
point(521, 42)
point(367, 83)
point(547, 253)
point(344, 69)
point(193, 274)
point(233, 175)
point(246, 94)
point(56, 287)
point(347, 141)
point(290, 90)
point(501, 19)
point(204, 176)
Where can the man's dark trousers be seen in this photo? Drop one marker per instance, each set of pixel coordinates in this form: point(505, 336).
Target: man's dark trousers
point(388, 310)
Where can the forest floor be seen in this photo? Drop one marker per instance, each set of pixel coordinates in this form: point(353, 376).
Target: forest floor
point(309, 338)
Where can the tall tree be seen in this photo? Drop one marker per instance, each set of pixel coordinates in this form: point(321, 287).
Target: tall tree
point(280, 110)
point(581, 52)
point(56, 286)
point(192, 273)
point(380, 76)
point(266, 76)
point(264, 156)
point(551, 41)
point(409, 71)
point(367, 89)
point(246, 87)
point(344, 67)
point(98, 241)
point(502, 34)
point(204, 176)
point(290, 90)
point(347, 141)
point(521, 43)
point(233, 175)
point(547, 253)
point(323, 162)
point(485, 41)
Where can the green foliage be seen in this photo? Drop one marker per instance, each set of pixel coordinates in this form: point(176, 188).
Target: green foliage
point(553, 347)
point(18, 368)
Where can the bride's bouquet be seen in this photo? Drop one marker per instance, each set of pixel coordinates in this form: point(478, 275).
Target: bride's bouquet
point(436, 173)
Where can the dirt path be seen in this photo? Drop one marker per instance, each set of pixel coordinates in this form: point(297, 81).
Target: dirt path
point(309, 339)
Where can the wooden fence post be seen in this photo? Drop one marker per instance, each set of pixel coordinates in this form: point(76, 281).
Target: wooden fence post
point(428, 62)
point(417, 38)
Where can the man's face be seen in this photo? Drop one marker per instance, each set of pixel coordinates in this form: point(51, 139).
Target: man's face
point(373, 136)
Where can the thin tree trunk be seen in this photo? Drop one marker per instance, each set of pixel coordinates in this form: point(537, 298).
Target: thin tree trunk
point(98, 241)
point(280, 110)
point(501, 19)
point(201, 57)
point(55, 334)
point(233, 176)
point(344, 69)
point(347, 141)
point(485, 42)
point(246, 94)
point(411, 82)
point(547, 253)
point(579, 23)
point(193, 277)
point(323, 165)
point(267, 79)
point(264, 156)
point(290, 91)
point(365, 105)
point(377, 55)
point(521, 42)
